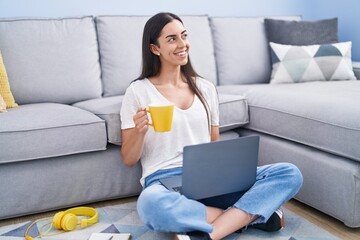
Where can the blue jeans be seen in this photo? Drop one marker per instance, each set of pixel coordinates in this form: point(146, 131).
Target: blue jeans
point(168, 211)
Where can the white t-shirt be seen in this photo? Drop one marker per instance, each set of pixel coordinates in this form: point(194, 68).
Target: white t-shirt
point(190, 126)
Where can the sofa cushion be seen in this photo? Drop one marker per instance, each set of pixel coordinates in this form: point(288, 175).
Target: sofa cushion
point(356, 68)
point(302, 32)
point(34, 131)
point(202, 52)
point(325, 62)
point(233, 113)
point(323, 115)
point(108, 109)
point(242, 49)
point(51, 60)
point(120, 46)
point(120, 51)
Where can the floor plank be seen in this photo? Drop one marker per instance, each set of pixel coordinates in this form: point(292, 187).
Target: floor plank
point(324, 221)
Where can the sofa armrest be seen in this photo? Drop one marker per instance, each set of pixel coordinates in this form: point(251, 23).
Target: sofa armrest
point(356, 68)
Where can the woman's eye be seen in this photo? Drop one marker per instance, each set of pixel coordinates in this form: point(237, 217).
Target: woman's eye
point(172, 39)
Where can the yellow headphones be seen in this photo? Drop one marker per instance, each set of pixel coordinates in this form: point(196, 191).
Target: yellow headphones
point(67, 221)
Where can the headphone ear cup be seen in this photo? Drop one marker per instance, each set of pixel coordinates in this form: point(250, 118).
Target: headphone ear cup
point(57, 220)
point(69, 222)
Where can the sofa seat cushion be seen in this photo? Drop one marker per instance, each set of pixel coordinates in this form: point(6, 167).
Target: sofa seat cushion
point(233, 113)
point(44, 130)
point(324, 115)
point(108, 109)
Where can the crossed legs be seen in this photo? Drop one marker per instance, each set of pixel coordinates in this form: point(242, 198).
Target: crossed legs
point(163, 210)
point(227, 222)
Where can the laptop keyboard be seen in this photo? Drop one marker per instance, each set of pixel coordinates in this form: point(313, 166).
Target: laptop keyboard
point(177, 189)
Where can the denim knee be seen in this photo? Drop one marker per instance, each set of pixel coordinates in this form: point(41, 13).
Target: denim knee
point(147, 205)
point(166, 211)
point(156, 210)
point(294, 176)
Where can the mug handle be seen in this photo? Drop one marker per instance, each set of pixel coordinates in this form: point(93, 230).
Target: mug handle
point(150, 124)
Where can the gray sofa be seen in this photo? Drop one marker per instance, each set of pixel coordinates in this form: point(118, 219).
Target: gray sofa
point(61, 146)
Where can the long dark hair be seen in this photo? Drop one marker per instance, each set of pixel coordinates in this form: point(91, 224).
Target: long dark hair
point(151, 63)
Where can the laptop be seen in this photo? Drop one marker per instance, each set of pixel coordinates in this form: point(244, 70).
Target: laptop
point(217, 171)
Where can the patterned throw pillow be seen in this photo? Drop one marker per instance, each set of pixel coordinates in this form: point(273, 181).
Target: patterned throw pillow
point(5, 86)
point(324, 62)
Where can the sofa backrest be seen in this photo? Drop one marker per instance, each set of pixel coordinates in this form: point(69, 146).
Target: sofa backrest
point(120, 51)
point(120, 40)
point(58, 60)
point(241, 49)
point(202, 52)
point(51, 60)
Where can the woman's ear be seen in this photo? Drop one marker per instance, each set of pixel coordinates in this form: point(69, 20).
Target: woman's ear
point(154, 49)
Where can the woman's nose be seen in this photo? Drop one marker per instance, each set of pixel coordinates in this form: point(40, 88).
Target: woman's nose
point(182, 43)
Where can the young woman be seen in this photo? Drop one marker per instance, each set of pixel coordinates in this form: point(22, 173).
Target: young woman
point(168, 77)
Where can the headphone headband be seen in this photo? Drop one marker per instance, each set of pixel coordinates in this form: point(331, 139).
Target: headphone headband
point(85, 211)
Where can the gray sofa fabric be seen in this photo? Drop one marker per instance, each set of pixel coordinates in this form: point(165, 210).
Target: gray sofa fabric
point(120, 49)
point(356, 67)
point(43, 130)
point(51, 60)
point(108, 109)
point(233, 111)
point(324, 116)
point(62, 182)
point(241, 49)
point(331, 182)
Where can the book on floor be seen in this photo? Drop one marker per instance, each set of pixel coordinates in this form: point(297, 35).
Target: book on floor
point(108, 236)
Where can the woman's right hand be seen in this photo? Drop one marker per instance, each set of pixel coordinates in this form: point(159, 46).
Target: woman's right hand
point(141, 120)
point(133, 138)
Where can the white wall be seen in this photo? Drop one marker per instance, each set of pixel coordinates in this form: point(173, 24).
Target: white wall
point(60, 8)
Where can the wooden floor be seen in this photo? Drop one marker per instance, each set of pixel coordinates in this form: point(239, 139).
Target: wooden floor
point(324, 221)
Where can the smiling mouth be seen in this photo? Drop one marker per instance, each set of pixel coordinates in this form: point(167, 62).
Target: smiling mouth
point(181, 54)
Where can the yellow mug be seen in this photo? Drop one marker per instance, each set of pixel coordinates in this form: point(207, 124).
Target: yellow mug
point(161, 117)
